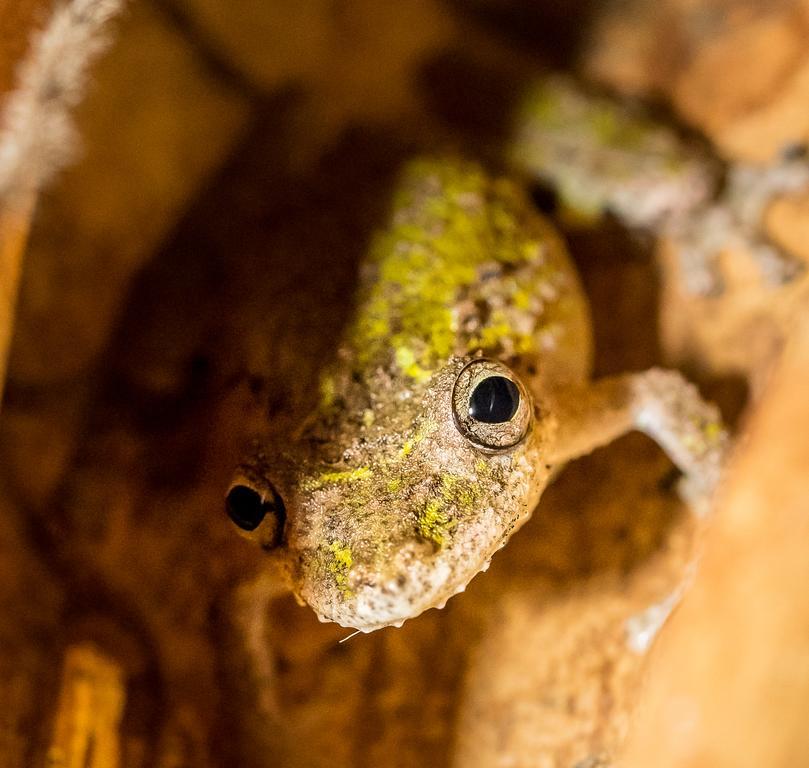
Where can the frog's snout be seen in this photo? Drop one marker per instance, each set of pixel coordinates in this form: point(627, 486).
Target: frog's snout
point(369, 595)
point(258, 511)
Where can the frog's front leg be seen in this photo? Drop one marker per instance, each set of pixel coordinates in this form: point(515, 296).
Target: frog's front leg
point(659, 403)
point(669, 409)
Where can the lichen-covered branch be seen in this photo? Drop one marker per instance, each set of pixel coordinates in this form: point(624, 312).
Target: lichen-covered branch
point(37, 136)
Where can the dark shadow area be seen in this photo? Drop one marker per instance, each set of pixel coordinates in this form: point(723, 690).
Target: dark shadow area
point(621, 280)
point(475, 97)
point(250, 294)
point(557, 30)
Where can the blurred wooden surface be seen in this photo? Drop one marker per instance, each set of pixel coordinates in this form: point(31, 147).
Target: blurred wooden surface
point(18, 20)
point(91, 703)
point(15, 223)
point(729, 682)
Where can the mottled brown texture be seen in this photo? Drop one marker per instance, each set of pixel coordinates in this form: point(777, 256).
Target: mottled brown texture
point(31, 601)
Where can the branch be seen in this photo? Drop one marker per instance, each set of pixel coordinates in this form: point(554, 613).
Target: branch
point(37, 135)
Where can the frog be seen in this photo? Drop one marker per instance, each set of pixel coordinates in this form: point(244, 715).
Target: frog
point(460, 388)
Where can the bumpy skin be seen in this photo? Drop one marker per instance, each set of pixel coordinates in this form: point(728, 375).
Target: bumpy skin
point(393, 500)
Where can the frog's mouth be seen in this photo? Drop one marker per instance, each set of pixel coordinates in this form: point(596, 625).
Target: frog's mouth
point(392, 603)
point(371, 595)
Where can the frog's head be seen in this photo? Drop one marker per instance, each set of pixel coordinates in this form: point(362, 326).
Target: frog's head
point(390, 503)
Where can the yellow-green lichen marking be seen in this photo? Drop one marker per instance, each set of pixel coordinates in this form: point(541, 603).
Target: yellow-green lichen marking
point(394, 484)
point(434, 524)
point(450, 221)
point(331, 478)
point(340, 565)
point(707, 435)
point(328, 391)
point(554, 116)
point(406, 360)
point(422, 432)
point(455, 493)
point(713, 431)
point(460, 491)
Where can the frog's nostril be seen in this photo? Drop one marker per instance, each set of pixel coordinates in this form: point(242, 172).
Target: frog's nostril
point(247, 509)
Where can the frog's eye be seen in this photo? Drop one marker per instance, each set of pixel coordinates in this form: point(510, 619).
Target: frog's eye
point(249, 509)
point(245, 507)
point(491, 407)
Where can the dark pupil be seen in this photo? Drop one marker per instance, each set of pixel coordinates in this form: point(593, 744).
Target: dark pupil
point(245, 507)
point(494, 400)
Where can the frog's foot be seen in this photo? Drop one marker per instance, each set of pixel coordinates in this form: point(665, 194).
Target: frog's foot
point(671, 411)
point(735, 222)
point(659, 403)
